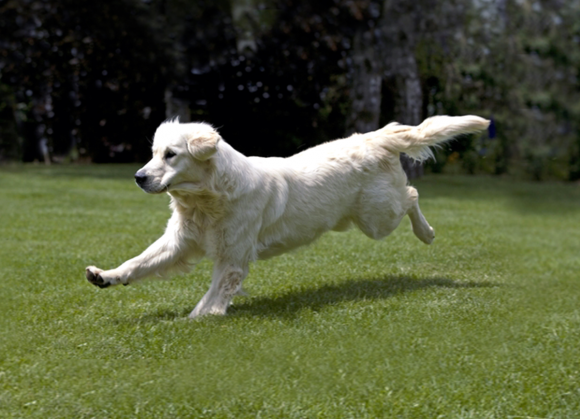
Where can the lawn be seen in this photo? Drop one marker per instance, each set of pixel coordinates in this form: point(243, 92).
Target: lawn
point(484, 323)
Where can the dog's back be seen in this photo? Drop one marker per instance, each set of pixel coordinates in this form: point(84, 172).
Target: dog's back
point(357, 180)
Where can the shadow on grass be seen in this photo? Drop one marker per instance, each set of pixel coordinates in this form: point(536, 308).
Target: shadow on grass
point(316, 298)
point(352, 290)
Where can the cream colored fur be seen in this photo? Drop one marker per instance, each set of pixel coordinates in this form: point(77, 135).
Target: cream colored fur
point(234, 209)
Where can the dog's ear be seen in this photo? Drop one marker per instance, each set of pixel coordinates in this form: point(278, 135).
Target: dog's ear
point(203, 145)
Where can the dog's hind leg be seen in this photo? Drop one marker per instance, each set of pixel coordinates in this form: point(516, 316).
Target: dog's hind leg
point(421, 227)
point(380, 209)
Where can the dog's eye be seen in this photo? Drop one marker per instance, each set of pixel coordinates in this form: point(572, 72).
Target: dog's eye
point(169, 154)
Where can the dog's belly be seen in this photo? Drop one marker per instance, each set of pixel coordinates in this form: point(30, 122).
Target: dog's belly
point(310, 205)
point(272, 245)
point(278, 248)
point(275, 249)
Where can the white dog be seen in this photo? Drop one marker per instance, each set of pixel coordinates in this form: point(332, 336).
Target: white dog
point(234, 209)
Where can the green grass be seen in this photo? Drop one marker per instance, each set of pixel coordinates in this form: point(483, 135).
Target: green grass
point(484, 323)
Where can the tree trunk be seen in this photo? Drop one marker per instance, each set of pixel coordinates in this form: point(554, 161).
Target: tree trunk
point(399, 30)
point(408, 103)
point(365, 91)
point(251, 19)
point(387, 53)
point(175, 107)
point(243, 17)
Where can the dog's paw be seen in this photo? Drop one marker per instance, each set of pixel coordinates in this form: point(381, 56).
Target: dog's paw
point(425, 233)
point(205, 309)
point(99, 278)
point(430, 236)
point(93, 275)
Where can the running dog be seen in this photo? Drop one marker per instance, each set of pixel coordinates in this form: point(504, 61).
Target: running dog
point(235, 209)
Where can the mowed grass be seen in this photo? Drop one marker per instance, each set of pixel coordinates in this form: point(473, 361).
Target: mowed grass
point(484, 323)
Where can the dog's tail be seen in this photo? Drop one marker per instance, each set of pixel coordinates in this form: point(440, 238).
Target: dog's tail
point(415, 141)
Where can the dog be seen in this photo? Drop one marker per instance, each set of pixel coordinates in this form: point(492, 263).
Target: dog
point(235, 209)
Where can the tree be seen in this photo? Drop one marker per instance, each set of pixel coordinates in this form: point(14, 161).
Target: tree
point(85, 76)
point(517, 61)
point(95, 79)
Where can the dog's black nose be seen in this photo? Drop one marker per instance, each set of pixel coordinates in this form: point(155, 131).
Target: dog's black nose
point(140, 178)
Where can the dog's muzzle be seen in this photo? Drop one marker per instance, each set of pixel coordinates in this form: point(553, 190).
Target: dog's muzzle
point(140, 179)
point(147, 183)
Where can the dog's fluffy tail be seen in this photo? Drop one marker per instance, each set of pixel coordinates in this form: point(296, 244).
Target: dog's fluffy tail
point(415, 141)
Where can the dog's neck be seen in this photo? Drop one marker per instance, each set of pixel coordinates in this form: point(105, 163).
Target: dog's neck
point(202, 207)
point(234, 174)
point(205, 203)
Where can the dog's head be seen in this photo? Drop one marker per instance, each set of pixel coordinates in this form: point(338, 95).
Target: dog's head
point(181, 157)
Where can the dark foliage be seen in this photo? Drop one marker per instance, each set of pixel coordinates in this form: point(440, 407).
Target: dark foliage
point(82, 81)
point(87, 76)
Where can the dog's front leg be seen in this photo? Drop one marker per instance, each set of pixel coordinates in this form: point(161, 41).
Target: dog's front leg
point(226, 282)
point(169, 251)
